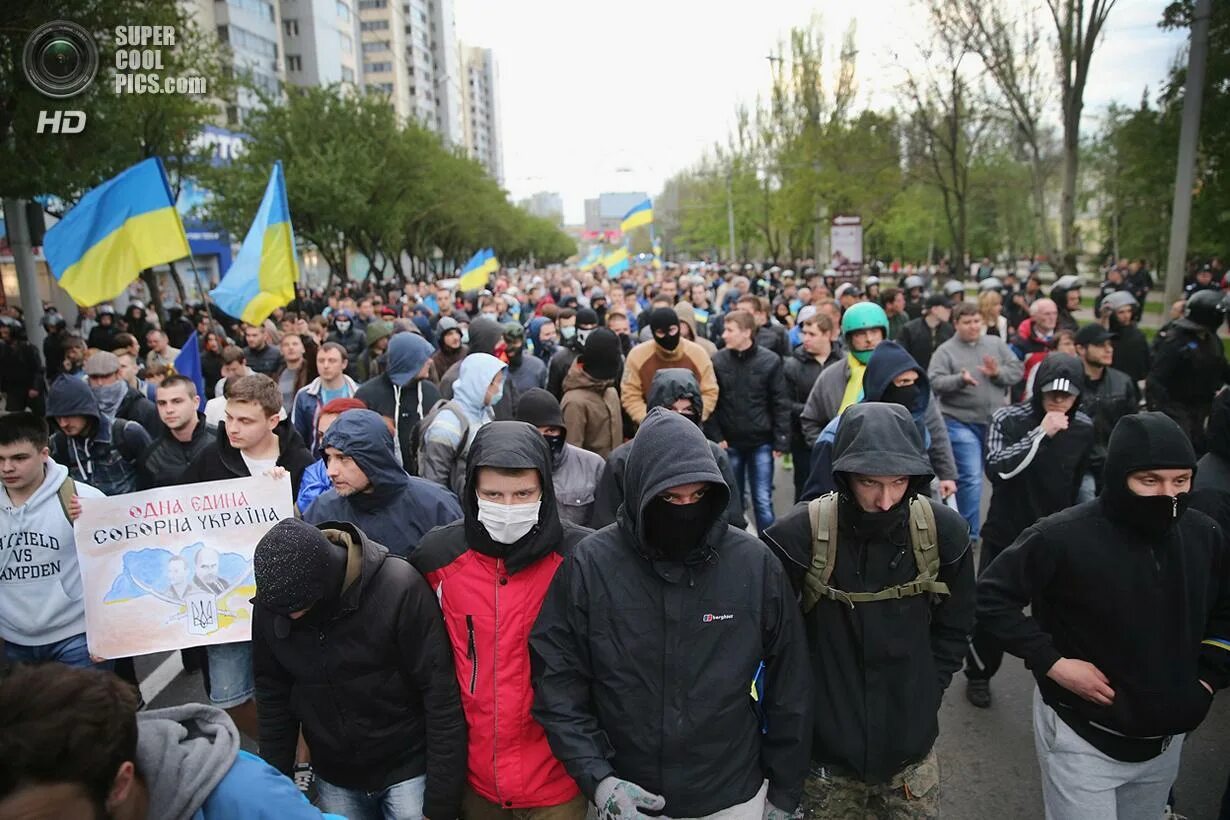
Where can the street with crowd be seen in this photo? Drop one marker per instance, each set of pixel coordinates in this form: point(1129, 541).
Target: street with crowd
point(699, 540)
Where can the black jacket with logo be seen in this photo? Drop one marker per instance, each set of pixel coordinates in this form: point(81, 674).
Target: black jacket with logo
point(880, 668)
point(642, 665)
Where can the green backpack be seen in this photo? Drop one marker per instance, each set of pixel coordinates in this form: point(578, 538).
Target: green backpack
point(823, 514)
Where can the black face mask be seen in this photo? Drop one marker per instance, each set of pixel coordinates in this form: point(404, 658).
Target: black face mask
point(556, 444)
point(547, 348)
point(672, 531)
point(668, 342)
point(1152, 515)
point(514, 355)
point(625, 343)
point(906, 396)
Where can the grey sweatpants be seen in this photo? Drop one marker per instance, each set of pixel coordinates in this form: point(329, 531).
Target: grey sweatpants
point(1079, 782)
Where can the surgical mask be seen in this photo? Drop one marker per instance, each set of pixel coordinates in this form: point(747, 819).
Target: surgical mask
point(507, 523)
point(110, 396)
point(343, 327)
point(568, 332)
point(465, 337)
point(499, 394)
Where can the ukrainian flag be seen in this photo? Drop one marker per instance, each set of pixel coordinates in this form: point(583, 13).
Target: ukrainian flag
point(478, 270)
point(263, 276)
point(640, 215)
point(118, 229)
point(591, 259)
point(615, 262)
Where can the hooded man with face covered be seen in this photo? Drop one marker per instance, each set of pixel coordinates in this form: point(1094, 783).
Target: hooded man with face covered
point(490, 572)
point(666, 349)
point(650, 635)
point(348, 647)
point(372, 491)
point(1128, 635)
point(881, 665)
point(1037, 453)
point(675, 389)
point(485, 336)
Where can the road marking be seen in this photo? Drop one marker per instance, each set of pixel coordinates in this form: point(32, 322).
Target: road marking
point(161, 677)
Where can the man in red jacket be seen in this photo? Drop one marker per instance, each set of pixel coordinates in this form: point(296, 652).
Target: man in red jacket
point(490, 572)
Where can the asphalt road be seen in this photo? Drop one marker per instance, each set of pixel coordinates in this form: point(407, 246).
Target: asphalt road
point(988, 766)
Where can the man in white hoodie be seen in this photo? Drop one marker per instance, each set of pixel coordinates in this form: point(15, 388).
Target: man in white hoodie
point(42, 614)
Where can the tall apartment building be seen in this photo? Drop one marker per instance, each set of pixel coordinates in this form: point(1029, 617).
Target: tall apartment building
point(481, 111)
point(253, 30)
point(320, 38)
point(382, 50)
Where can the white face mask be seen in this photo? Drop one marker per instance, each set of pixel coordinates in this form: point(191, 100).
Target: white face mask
point(507, 523)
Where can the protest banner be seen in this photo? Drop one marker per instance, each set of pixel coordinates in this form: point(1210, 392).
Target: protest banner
point(172, 567)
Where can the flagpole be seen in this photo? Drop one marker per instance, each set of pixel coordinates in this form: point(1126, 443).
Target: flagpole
point(200, 286)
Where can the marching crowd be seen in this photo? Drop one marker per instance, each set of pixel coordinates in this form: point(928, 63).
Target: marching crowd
point(536, 571)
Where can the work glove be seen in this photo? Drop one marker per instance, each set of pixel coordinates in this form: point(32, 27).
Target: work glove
point(772, 812)
point(620, 800)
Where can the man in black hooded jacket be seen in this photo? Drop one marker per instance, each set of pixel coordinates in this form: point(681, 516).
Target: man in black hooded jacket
point(649, 637)
point(1037, 453)
point(880, 667)
point(348, 647)
point(674, 388)
point(1129, 631)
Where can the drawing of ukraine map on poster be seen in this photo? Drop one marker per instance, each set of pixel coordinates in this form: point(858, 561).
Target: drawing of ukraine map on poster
point(172, 568)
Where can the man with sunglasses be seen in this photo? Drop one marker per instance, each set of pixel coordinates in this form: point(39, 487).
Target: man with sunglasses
point(650, 637)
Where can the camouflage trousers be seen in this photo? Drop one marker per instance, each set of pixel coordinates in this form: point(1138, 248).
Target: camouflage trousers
point(912, 794)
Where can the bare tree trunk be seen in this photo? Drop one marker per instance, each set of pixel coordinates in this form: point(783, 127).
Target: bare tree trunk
point(1067, 202)
point(155, 294)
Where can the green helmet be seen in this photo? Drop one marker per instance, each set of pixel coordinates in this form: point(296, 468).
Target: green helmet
point(863, 316)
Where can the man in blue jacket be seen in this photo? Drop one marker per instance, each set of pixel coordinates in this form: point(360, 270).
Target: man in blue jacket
point(74, 746)
point(371, 491)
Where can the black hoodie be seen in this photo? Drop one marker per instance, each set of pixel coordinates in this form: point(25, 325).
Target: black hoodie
point(1136, 606)
point(642, 664)
point(880, 668)
point(668, 386)
point(1033, 474)
point(220, 460)
point(1214, 466)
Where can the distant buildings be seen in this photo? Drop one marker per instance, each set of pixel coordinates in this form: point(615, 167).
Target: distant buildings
point(546, 204)
point(481, 110)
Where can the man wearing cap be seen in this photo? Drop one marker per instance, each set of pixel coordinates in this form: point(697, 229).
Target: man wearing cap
point(348, 646)
point(402, 394)
point(1038, 452)
point(590, 405)
point(525, 372)
point(1118, 313)
point(574, 472)
point(117, 398)
point(920, 337)
point(569, 349)
point(666, 349)
point(372, 491)
point(1128, 632)
point(1107, 394)
point(451, 350)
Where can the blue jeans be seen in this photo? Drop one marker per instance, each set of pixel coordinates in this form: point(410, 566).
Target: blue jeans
point(231, 680)
point(757, 463)
point(70, 652)
point(401, 801)
point(967, 443)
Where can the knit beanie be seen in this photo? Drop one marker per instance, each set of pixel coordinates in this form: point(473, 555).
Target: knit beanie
point(539, 408)
point(296, 567)
point(600, 358)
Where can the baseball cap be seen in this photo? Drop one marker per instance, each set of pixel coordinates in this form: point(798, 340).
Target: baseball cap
point(1094, 334)
point(1061, 384)
point(938, 300)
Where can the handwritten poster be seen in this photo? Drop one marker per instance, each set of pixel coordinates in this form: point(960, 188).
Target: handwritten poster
point(172, 568)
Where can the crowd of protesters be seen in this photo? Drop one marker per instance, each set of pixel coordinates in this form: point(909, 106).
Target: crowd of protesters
point(537, 571)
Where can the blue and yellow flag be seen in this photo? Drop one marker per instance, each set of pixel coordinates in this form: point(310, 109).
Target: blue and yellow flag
point(477, 272)
point(615, 262)
point(591, 259)
point(263, 276)
point(118, 229)
point(640, 215)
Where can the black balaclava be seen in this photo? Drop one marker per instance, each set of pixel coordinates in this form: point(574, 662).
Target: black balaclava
point(673, 531)
point(906, 396)
point(661, 319)
point(1145, 441)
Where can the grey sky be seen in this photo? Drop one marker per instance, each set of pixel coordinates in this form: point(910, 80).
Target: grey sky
point(606, 96)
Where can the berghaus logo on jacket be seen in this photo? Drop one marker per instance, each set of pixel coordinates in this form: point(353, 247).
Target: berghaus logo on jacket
point(709, 617)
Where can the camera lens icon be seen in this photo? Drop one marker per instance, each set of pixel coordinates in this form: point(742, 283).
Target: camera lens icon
point(60, 59)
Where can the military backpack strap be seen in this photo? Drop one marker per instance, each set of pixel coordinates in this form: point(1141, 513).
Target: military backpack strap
point(68, 489)
point(924, 539)
point(822, 513)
